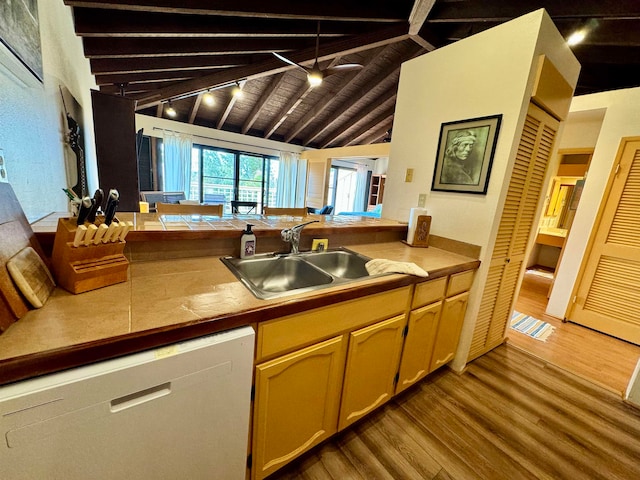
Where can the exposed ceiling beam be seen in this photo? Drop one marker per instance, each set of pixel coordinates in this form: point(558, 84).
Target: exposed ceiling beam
point(377, 135)
point(383, 118)
point(501, 11)
point(418, 15)
point(265, 96)
point(194, 108)
point(133, 78)
point(229, 107)
point(91, 22)
point(105, 47)
point(325, 10)
point(272, 66)
point(148, 64)
point(329, 97)
point(370, 85)
point(371, 106)
point(288, 109)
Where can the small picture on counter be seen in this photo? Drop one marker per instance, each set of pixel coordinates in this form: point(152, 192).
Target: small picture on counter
point(465, 155)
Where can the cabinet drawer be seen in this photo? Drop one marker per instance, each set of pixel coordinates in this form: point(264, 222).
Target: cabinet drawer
point(460, 282)
point(301, 329)
point(428, 292)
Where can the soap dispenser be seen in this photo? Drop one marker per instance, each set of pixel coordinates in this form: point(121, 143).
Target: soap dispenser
point(247, 242)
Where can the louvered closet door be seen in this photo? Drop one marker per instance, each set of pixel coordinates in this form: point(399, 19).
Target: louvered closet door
point(608, 298)
point(516, 222)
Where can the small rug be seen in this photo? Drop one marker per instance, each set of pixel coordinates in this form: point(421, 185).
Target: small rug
point(531, 326)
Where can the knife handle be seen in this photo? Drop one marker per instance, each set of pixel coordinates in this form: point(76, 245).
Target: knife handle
point(80, 232)
point(98, 196)
point(102, 229)
point(116, 231)
point(125, 230)
point(91, 232)
point(109, 232)
point(85, 208)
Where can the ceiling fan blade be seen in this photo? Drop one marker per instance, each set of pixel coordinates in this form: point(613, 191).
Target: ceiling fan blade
point(286, 60)
point(347, 67)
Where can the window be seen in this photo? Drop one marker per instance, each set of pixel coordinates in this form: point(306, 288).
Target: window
point(342, 188)
point(225, 175)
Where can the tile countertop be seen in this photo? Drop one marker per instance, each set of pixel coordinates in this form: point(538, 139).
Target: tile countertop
point(166, 301)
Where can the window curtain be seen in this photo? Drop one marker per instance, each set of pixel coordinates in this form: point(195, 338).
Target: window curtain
point(291, 180)
point(177, 163)
point(359, 202)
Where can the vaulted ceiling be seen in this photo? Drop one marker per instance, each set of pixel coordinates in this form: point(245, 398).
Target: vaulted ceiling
point(156, 51)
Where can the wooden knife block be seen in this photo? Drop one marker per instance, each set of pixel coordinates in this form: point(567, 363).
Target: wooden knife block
point(84, 268)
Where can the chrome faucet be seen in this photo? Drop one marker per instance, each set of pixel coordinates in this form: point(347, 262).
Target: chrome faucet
point(292, 235)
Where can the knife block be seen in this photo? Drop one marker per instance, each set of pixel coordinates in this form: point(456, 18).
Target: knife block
point(84, 268)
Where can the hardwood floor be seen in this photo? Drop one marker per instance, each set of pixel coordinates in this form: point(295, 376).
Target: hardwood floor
point(508, 416)
point(526, 410)
point(597, 357)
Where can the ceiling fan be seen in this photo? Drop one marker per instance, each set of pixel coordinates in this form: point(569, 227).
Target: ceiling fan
point(315, 74)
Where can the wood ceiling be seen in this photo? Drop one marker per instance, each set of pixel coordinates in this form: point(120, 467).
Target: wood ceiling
point(159, 50)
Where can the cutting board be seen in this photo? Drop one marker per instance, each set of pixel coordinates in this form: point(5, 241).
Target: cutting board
point(31, 276)
point(15, 234)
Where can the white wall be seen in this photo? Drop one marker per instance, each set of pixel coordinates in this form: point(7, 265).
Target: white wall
point(621, 119)
point(32, 123)
point(486, 74)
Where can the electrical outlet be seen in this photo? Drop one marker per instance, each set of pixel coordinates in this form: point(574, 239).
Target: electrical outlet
point(408, 177)
point(422, 199)
point(3, 168)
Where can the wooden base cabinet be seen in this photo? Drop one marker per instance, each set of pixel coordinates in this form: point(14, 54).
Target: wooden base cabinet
point(449, 326)
point(372, 362)
point(296, 404)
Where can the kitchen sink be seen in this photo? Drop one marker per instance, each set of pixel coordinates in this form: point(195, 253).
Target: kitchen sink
point(272, 275)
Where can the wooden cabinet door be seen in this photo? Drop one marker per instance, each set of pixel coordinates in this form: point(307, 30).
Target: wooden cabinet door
point(296, 404)
point(448, 333)
point(372, 363)
point(418, 345)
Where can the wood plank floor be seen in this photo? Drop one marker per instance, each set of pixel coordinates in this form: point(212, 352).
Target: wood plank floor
point(600, 358)
point(518, 412)
point(508, 416)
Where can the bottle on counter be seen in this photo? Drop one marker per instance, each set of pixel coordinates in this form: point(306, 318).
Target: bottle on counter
point(247, 243)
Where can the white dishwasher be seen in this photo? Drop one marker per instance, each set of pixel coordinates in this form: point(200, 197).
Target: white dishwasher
point(177, 412)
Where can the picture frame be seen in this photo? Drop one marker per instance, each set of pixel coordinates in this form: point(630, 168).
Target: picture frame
point(465, 155)
point(20, 34)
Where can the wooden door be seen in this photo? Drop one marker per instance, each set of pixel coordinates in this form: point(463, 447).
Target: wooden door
point(372, 363)
point(296, 404)
point(317, 182)
point(514, 231)
point(448, 333)
point(418, 345)
point(606, 297)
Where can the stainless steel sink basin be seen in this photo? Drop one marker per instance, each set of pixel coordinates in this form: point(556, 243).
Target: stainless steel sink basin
point(340, 263)
point(272, 275)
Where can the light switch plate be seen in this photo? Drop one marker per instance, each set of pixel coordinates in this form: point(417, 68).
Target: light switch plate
point(422, 199)
point(408, 177)
point(3, 168)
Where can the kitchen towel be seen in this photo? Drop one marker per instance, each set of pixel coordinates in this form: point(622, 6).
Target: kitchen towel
point(381, 265)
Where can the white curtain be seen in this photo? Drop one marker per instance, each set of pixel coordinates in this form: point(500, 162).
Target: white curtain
point(291, 180)
point(177, 163)
point(359, 203)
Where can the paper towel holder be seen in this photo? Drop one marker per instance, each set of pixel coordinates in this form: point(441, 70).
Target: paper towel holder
point(421, 235)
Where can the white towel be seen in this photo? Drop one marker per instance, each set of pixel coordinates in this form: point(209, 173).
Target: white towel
point(381, 265)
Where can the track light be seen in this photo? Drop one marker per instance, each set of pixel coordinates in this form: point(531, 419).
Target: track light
point(237, 91)
point(208, 99)
point(170, 111)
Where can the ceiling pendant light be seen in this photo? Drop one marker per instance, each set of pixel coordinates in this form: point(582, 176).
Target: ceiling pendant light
point(314, 77)
point(577, 37)
point(208, 99)
point(170, 111)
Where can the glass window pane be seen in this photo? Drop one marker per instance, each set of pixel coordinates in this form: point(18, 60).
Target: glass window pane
point(251, 176)
point(218, 176)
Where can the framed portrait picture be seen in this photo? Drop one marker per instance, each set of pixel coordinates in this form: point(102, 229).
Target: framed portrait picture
point(465, 155)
